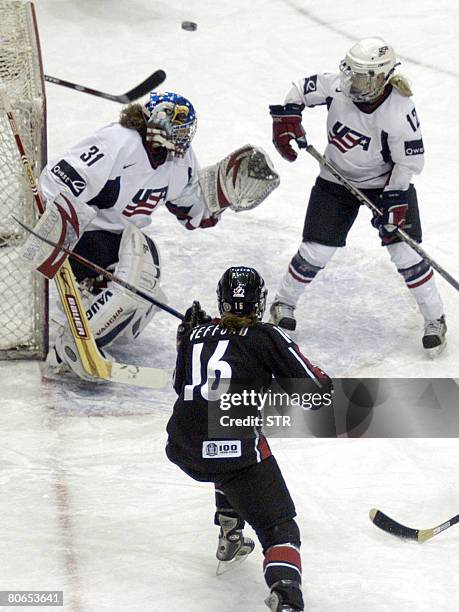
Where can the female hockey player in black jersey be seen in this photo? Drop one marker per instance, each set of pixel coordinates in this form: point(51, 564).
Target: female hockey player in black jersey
point(249, 485)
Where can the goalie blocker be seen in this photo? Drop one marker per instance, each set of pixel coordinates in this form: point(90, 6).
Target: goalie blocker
point(62, 222)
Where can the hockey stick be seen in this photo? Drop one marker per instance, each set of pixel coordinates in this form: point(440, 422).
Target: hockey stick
point(399, 232)
point(153, 81)
point(108, 275)
point(388, 524)
point(92, 361)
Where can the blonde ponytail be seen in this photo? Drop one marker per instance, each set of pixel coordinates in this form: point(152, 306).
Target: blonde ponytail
point(402, 84)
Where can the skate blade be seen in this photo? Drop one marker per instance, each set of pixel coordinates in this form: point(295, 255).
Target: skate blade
point(226, 566)
point(437, 350)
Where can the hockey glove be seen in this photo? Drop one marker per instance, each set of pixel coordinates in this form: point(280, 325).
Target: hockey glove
point(194, 316)
point(394, 207)
point(286, 127)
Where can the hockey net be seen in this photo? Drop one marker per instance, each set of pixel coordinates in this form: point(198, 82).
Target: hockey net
point(23, 294)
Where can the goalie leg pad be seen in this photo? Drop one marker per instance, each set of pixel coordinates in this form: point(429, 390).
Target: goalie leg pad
point(115, 314)
point(64, 355)
point(63, 222)
point(240, 181)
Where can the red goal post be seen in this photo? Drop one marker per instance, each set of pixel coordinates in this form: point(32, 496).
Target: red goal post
point(23, 294)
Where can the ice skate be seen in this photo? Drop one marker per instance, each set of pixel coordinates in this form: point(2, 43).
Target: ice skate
point(276, 601)
point(275, 604)
point(233, 547)
point(282, 315)
point(434, 339)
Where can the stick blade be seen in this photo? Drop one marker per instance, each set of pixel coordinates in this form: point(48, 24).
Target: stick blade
point(391, 526)
point(150, 83)
point(138, 376)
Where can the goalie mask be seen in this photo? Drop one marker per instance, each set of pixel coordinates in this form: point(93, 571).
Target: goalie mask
point(241, 291)
point(366, 69)
point(175, 115)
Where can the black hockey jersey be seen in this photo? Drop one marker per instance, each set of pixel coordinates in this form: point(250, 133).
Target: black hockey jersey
point(248, 358)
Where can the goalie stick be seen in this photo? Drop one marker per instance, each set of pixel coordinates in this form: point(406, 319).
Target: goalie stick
point(323, 161)
point(105, 273)
point(152, 82)
point(92, 361)
point(391, 526)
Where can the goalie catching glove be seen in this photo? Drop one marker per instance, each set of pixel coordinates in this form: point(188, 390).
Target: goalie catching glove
point(240, 181)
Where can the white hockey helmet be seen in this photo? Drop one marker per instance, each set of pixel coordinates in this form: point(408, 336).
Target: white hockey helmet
point(366, 69)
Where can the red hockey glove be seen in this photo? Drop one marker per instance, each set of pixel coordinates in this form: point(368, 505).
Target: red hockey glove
point(286, 127)
point(394, 207)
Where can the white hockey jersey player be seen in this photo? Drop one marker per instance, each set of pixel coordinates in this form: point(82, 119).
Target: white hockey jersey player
point(113, 172)
point(373, 147)
point(103, 191)
point(374, 140)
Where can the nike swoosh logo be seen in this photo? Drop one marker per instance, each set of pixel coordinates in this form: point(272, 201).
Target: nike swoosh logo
point(128, 165)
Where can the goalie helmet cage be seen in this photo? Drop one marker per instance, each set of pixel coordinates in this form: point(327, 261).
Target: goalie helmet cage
point(23, 294)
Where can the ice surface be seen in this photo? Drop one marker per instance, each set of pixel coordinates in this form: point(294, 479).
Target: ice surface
point(88, 502)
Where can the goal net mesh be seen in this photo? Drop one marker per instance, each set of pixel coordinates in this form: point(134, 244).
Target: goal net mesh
point(23, 294)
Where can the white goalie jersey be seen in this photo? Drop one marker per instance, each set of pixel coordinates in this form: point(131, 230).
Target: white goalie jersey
point(373, 147)
point(111, 172)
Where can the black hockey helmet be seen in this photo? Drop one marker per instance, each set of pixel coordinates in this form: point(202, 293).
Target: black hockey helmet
point(241, 291)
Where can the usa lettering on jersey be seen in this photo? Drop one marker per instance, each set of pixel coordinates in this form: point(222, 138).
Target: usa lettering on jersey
point(344, 138)
point(145, 201)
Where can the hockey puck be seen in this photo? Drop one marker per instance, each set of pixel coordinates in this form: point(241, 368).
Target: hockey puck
point(191, 26)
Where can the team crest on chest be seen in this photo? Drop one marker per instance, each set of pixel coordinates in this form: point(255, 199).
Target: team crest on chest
point(344, 138)
point(145, 201)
